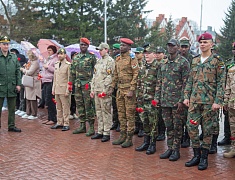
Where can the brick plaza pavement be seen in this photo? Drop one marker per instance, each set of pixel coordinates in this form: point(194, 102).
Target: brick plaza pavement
point(41, 153)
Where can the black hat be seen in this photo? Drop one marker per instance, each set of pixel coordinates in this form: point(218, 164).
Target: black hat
point(160, 49)
point(174, 42)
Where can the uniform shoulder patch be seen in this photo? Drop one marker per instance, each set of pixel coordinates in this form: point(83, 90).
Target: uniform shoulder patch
point(132, 55)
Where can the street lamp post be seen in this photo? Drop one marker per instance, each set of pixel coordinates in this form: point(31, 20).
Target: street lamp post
point(105, 21)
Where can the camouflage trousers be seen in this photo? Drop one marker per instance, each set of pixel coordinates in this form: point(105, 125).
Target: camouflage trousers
point(84, 104)
point(103, 108)
point(150, 119)
point(201, 113)
point(173, 122)
point(231, 113)
point(126, 111)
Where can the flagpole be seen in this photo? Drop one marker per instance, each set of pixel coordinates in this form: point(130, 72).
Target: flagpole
point(105, 21)
point(201, 18)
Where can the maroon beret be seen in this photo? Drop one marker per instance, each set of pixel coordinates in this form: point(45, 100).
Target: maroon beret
point(85, 40)
point(126, 41)
point(205, 36)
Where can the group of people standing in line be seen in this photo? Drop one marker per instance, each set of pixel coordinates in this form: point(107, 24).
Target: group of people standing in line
point(144, 92)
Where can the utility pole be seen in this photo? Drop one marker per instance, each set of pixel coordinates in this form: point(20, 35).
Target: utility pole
point(201, 18)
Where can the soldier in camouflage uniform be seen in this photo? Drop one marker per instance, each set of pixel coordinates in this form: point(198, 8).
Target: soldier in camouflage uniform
point(203, 95)
point(116, 124)
point(184, 51)
point(160, 54)
point(146, 91)
point(172, 77)
point(138, 123)
point(101, 82)
point(125, 76)
point(81, 74)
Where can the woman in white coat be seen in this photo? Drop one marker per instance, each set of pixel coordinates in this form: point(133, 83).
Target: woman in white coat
point(32, 93)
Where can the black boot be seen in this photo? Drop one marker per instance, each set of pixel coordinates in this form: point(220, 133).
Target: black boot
point(145, 145)
point(196, 158)
point(118, 127)
point(175, 155)
point(161, 136)
point(166, 154)
point(203, 160)
point(136, 131)
point(213, 148)
point(141, 130)
point(152, 147)
point(185, 140)
point(224, 142)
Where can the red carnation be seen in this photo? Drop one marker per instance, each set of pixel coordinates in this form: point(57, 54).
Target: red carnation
point(70, 88)
point(154, 103)
point(70, 83)
point(232, 138)
point(18, 58)
point(193, 122)
point(99, 95)
point(53, 100)
point(139, 110)
point(103, 94)
point(39, 76)
point(86, 86)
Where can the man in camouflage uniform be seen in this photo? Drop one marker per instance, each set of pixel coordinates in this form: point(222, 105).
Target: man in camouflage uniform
point(203, 95)
point(138, 123)
point(172, 77)
point(125, 76)
point(81, 74)
point(116, 124)
point(184, 51)
point(101, 82)
point(160, 54)
point(146, 91)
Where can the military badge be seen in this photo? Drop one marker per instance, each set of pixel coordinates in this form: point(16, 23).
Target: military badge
point(109, 70)
point(221, 65)
point(134, 65)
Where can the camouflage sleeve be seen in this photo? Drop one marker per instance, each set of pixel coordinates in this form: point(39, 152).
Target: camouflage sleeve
point(139, 89)
point(227, 90)
point(135, 72)
point(185, 73)
point(72, 76)
point(114, 77)
point(188, 87)
point(108, 79)
point(158, 85)
point(220, 80)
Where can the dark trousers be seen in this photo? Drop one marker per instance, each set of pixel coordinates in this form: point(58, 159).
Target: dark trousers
point(51, 107)
point(73, 105)
point(11, 103)
point(31, 107)
point(227, 132)
point(42, 100)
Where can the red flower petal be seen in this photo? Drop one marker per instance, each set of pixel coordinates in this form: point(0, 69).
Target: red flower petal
point(18, 58)
point(86, 86)
point(70, 83)
point(137, 109)
point(141, 110)
point(103, 94)
point(154, 102)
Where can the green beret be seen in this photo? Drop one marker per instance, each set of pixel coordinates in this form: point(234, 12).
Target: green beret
point(4, 39)
point(139, 50)
point(116, 46)
point(61, 50)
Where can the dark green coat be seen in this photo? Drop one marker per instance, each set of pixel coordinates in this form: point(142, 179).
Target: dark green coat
point(10, 76)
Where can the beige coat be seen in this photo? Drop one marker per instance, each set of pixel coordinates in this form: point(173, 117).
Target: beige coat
point(229, 96)
point(34, 92)
point(61, 77)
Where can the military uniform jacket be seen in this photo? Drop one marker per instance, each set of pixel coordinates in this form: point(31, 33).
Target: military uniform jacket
point(206, 81)
point(102, 77)
point(172, 77)
point(147, 79)
point(10, 75)
point(229, 96)
point(82, 68)
point(126, 72)
point(61, 77)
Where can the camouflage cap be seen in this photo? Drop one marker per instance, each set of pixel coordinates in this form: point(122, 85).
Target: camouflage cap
point(4, 39)
point(116, 46)
point(61, 50)
point(184, 42)
point(103, 46)
point(174, 42)
point(139, 50)
point(150, 49)
point(160, 49)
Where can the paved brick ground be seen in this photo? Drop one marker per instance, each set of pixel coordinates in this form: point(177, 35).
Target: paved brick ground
point(41, 153)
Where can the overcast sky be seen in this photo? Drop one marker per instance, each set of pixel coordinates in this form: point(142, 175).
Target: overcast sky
point(213, 11)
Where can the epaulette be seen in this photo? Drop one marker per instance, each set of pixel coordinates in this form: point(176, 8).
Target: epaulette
point(57, 62)
point(67, 62)
point(217, 57)
point(91, 52)
point(132, 55)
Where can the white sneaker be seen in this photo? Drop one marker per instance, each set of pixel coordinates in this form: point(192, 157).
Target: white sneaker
point(18, 111)
point(21, 113)
point(32, 117)
point(4, 108)
point(25, 116)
